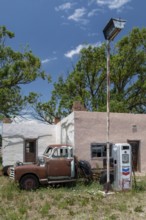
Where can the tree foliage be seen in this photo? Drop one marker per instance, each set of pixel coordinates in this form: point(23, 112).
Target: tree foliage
point(128, 73)
point(87, 82)
point(16, 68)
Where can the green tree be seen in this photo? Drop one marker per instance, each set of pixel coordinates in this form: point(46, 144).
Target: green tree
point(16, 69)
point(87, 82)
point(44, 111)
point(128, 73)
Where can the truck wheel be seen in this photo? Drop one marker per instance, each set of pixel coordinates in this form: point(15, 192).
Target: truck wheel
point(29, 182)
point(6, 170)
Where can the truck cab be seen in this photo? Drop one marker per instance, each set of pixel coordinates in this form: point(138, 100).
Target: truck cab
point(59, 162)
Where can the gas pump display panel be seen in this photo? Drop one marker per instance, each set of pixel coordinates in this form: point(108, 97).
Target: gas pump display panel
point(125, 158)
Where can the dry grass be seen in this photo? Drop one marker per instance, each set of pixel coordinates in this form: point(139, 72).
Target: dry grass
point(75, 203)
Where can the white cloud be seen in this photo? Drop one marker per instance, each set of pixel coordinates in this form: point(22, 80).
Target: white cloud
point(77, 50)
point(48, 60)
point(92, 13)
point(78, 14)
point(112, 4)
point(63, 7)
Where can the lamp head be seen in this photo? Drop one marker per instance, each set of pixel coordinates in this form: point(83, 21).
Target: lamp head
point(113, 27)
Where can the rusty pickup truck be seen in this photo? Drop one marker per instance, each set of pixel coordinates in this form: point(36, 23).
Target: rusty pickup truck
point(57, 165)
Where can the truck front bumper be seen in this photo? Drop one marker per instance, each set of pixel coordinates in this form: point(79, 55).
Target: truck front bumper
point(12, 173)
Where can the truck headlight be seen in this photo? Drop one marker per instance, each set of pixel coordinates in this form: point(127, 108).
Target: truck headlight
point(41, 161)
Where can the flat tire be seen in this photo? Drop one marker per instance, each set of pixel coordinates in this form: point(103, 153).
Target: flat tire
point(29, 182)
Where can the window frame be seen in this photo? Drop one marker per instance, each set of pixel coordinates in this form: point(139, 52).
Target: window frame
point(103, 152)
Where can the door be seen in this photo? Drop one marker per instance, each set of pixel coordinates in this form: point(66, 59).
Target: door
point(135, 154)
point(59, 165)
point(30, 151)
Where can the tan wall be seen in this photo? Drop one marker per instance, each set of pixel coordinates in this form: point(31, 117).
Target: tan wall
point(92, 127)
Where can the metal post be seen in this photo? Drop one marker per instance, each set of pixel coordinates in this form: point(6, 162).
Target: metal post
point(113, 27)
point(108, 111)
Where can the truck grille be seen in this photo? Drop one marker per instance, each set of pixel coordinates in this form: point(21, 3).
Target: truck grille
point(12, 173)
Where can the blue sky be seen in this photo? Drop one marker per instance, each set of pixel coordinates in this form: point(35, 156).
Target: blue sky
point(56, 30)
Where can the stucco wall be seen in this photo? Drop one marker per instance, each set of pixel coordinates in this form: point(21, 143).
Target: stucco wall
point(15, 134)
point(80, 129)
point(91, 127)
point(12, 151)
point(67, 130)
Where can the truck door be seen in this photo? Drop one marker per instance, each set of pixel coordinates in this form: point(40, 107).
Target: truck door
point(60, 166)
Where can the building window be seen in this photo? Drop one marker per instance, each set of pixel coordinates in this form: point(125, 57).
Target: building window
point(99, 150)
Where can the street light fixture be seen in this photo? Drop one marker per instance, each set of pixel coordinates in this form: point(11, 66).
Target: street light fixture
point(111, 30)
point(113, 27)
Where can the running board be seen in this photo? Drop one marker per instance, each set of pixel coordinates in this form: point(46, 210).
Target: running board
point(62, 181)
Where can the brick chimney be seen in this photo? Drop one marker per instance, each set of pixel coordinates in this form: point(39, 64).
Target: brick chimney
point(7, 120)
point(56, 120)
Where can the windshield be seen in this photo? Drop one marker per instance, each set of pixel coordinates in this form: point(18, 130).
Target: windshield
point(48, 152)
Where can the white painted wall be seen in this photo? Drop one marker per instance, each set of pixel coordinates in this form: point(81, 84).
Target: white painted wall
point(12, 151)
point(58, 132)
point(14, 135)
point(67, 130)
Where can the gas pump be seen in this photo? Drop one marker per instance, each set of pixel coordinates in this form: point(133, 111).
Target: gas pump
point(121, 154)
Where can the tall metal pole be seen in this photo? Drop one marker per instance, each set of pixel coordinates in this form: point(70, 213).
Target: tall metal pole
point(113, 27)
point(108, 111)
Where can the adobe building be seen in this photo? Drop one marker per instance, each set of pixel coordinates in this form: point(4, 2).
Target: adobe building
point(87, 132)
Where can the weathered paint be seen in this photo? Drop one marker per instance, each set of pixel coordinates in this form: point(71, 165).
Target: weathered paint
point(81, 128)
point(15, 134)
